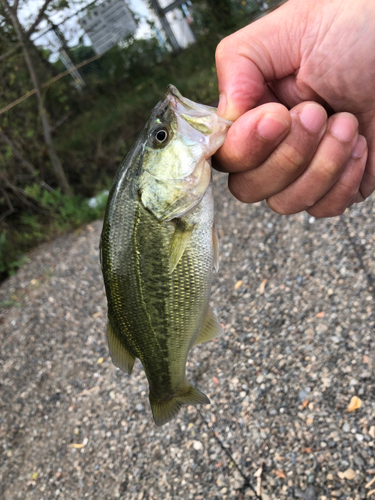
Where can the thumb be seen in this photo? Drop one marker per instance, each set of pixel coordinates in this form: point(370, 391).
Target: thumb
point(265, 51)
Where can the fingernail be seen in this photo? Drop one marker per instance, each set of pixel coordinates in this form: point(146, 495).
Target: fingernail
point(344, 127)
point(222, 105)
point(313, 117)
point(360, 147)
point(271, 127)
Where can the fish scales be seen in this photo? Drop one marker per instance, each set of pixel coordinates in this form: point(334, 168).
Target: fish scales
point(158, 304)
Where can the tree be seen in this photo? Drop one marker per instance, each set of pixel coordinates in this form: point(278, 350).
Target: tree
point(27, 46)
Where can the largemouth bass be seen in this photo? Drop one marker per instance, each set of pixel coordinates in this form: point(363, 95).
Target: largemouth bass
point(158, 249)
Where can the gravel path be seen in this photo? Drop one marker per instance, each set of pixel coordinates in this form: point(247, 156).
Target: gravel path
point(297, 301)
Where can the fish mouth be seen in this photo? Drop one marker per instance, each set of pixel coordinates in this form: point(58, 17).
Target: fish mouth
point(197, 121)
point(183, 105)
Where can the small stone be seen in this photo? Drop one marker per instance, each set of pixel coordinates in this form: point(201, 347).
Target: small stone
point(359, 437)
point(259, 379)
point(372, 431)
point(329, 477)
point(346, 427)
point(197, 445)
point(139, 407)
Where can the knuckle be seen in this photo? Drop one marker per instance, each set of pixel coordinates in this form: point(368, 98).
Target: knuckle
point(290, 158)
point(278, 205)
point(222, 49)
point(239, 188)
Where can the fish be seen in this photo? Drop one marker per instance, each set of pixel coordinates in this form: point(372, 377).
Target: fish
point(158, 249)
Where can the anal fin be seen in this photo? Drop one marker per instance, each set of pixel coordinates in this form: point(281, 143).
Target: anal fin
point(120, 356)
point(211, 328)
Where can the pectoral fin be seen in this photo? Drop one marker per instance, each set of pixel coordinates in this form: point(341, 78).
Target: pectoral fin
point(179, 242)
point(211, 328)
point(120, 356)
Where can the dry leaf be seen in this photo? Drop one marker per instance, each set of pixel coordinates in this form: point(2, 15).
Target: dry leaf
point(78, 446)
point(305, 403)
point(100, 361)
point(306, 450)
point(97, 314)
point(88, 391)
point(348, 474)
point(238, 284)
point(354, 404)
point(215, 380)
point(35, 475)
point(321, 314)
point(280, 473)
point(370, 483)
point(370, 493)
point(262, 286)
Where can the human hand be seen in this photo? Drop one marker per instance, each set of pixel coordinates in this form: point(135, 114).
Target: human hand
point(309, 56)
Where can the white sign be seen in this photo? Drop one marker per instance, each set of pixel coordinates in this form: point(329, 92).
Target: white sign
point(107, 24)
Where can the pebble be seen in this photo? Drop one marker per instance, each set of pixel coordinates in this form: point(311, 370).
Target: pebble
point(346, 427)
point(197, 445)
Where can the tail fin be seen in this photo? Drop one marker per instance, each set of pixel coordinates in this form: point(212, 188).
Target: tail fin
point(164, 411)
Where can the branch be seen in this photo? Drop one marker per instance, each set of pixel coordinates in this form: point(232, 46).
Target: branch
point(9, 203)
point(10, 51)
point(39, 17)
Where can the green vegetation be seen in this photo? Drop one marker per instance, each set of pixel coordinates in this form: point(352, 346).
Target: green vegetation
point(92, 131)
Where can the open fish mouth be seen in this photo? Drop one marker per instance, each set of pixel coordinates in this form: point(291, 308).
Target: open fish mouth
point(207, 126)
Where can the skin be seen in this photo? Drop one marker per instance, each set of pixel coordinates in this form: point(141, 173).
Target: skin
point(299, 84)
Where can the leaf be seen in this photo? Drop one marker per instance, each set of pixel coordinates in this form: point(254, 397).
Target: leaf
point(238, 284)
point(280, 474)
point(354, 404)
point(262, 286)
point(305, 403)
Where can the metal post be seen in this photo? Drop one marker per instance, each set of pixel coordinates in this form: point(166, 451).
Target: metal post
point(160, 12)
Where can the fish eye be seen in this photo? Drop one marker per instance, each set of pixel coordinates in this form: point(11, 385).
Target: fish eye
point(159, 136)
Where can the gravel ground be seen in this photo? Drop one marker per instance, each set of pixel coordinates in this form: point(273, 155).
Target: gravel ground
point(297, 302)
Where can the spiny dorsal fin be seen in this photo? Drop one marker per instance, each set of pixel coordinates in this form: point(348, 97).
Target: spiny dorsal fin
point(211, 328)
point(164, 411)
point(215, 244)
point(120, 356)
point(180, 239)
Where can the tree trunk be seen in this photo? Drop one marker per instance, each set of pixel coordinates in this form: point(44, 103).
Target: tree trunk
point(56, 164)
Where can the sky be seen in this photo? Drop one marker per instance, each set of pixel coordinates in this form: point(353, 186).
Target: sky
point(28, 10)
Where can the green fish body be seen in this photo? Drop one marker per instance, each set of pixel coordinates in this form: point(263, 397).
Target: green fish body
point(158, 249)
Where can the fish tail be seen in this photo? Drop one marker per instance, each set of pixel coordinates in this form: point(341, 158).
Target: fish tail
point(164, 411)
